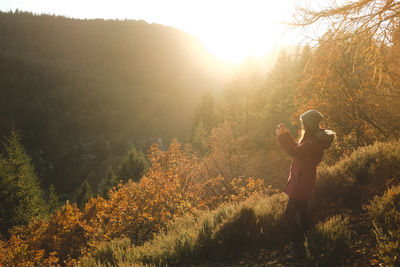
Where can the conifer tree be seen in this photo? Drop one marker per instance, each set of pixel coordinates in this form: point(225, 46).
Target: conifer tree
point(53, 199)
point(108, 183)
point(133, 166)
point(204, 120)
point(83, 194)
point(21, 197)
point(279, 91)
point(199, 139)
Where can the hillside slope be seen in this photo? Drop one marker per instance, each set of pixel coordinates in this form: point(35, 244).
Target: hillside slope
point(83, 91)
point(349, 216)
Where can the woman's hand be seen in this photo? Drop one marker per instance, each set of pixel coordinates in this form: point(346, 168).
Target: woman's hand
point(281, 129)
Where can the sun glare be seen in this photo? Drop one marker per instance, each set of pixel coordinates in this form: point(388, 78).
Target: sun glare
point(233, 30)
point(237, 44)
point(230, 29)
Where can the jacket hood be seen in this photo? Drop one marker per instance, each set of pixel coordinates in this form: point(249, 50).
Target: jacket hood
point(326, 137)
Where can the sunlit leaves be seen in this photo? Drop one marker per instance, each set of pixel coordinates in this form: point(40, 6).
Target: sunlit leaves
point(346, 81)
point(171, 188)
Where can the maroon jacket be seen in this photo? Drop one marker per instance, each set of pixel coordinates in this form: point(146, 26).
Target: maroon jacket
point(307, 154)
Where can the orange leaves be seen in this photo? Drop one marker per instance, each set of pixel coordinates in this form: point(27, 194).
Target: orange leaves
point(60, 239)
point(16, 252)
point(172, 187)
point(137, 210)
point(67, 234)
point(356, 76)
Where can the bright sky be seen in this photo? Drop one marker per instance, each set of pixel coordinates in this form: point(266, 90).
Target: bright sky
point(230, 29)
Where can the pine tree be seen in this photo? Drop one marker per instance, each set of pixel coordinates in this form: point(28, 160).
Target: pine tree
point(199, 139)
point(83, 194)
point(278, 93)
point(133, 166)
point(204, 120)
point(108, 183)
point(21, 197)
point(53, 199)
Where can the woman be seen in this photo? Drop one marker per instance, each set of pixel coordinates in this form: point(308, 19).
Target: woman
point(307, 153)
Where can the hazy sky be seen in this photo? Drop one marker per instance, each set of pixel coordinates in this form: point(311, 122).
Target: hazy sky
point(231, 29)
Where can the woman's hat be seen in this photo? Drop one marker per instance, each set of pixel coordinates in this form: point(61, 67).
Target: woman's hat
point(311, 119)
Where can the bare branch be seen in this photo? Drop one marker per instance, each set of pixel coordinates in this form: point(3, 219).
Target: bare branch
point(378, 17)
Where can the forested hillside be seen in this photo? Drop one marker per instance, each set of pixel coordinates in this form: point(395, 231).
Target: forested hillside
point(82, 92)
point(214, 199)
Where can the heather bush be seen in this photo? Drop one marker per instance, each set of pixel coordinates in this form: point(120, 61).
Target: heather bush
point(385, 214)
point(328, 242)
point(366, 172)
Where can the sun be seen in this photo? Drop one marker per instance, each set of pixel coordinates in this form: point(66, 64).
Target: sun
point(235, 45)
point(234, 30)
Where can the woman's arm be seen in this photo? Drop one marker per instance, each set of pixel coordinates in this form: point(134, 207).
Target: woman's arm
point(288, 143)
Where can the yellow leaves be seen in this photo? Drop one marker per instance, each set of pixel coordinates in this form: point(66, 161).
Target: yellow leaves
point(64, 236)
point(146, 215)
point(52, 260)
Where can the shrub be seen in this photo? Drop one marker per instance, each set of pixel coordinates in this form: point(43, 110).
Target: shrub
point(169, 190)
point(110, 253)
point(385, 214)
point(328, 241)
point(62, 238)
point(136, 210)
point(226, 232)
point(357, 177)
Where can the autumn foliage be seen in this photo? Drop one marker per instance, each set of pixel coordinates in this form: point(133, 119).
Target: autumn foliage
point(61, 238)
point(171, 188)
point(352, 76)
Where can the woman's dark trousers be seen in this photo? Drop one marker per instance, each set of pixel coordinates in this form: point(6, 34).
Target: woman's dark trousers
point(296, 217)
